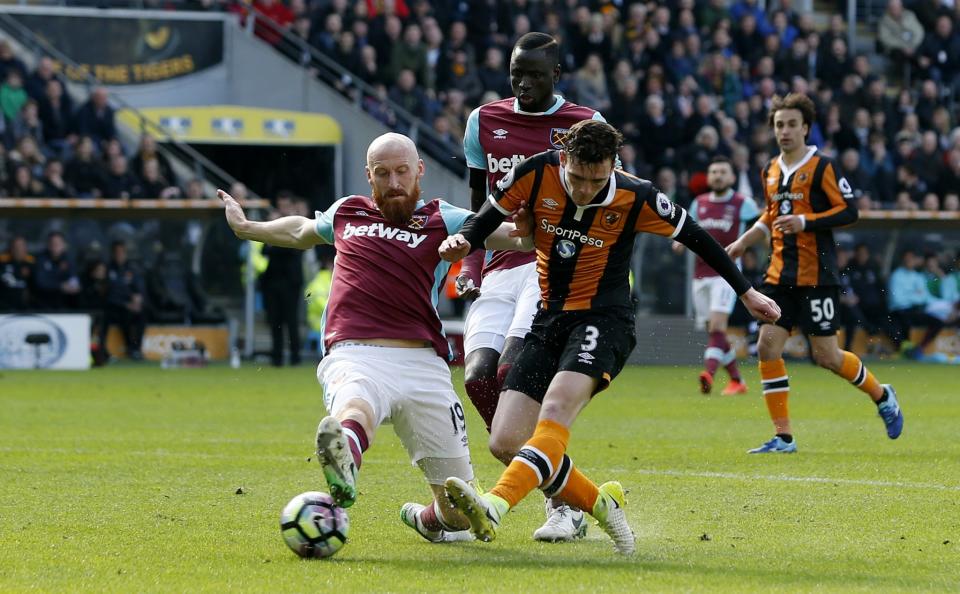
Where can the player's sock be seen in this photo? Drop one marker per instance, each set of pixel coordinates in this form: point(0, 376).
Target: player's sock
point(432, 520)
point(357, 438)
point(776, 390)
point(716, 347)
point(577, 490)
point(854, 371)
point(785, 437)
point(730, 363)
point(534, 464)
point(484, 393)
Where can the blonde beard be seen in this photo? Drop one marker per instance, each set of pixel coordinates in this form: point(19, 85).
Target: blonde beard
point(395, 209)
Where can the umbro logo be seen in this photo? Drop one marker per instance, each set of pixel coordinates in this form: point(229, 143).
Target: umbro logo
point(362, 213)
point(500, 134)
point(550, 203)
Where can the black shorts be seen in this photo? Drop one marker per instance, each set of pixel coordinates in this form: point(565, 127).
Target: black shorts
point(815, 309)
point(593, 342)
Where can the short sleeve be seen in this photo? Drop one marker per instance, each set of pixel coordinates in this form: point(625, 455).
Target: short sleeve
point(453, 216)
point(748, 210)
point(324, 221)
point(513, 190)
point(660, 215)
point(471, 142)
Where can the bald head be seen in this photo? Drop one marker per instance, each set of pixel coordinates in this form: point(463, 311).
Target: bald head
point(392, 146)
point(394, 169)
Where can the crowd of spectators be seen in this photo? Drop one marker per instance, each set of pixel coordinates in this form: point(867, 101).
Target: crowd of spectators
point(683, 79)
point(923, 291)
point(52, 148)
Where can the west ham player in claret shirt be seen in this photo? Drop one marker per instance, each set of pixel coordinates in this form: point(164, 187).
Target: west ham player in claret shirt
point(723, 214)
point(498, 136)
point(385, 355)
point(805, 198)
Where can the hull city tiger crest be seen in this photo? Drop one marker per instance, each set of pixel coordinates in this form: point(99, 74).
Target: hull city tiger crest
point(417, 221)
point(558, 136)
point(610, 220)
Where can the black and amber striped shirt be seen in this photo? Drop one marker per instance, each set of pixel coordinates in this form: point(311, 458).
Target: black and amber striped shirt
point(814, 190)
point(583, 252)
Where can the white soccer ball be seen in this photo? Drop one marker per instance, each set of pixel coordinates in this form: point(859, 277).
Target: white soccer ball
point(313, 525)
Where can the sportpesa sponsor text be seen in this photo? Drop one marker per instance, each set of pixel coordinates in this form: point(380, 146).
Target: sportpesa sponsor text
point(571, 234)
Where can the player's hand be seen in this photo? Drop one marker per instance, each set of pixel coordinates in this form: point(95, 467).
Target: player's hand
point(735, 250)
point(235, 217)
point(466, 288)
point(454, 248)
point(760, 306)
point(677, 247)
point(788, 224)
point(523, 220)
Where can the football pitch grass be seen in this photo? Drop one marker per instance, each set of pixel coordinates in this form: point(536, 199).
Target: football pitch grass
point(126, 479)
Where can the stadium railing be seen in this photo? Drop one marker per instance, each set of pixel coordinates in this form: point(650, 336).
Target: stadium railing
point(331, 73)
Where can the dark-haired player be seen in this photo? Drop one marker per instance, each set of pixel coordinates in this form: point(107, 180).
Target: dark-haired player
point(805, 199)
point(499, 135)
point(586, 216)
point(723, 214)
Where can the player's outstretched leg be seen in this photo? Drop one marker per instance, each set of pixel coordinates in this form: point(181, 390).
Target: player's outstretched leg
point(337, 460)
point(484, 512)
point(611, 517)
point(849, 366)
point(422, 517)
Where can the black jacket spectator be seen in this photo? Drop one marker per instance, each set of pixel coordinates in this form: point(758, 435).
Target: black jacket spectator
point(56, 113)
point(84, 172)
point(56, 283)
point(95, 118)
point(16, 276)
point(119, 181)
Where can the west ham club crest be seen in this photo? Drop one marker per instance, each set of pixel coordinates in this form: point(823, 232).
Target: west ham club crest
point(417, 221)
point(558, 136)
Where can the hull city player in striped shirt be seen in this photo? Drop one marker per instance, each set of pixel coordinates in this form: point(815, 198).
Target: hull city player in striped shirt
point(805, 198)
point(586, 216)
point(385, 355)
point(499, 135)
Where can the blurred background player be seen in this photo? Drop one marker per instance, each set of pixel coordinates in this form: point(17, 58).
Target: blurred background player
point(724, 214)
point(385, 355)
point(805, 198)
point(282, 286)
point(499, 135)
point(584, 329)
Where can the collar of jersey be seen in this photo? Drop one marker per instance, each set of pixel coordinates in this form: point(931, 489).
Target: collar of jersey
point(611, 189)
point(788, 171)
point(557, 103)
point(725, 198)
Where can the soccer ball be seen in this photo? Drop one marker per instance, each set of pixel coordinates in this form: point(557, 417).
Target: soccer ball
point(313, 525)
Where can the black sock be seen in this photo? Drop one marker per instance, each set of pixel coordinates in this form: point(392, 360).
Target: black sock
point(884, 398)
point(785, 437)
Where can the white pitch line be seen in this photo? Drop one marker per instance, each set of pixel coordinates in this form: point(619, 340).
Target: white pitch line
point(790, 479)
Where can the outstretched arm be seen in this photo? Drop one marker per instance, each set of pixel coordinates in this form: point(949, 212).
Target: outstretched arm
point(473, 234)
point(291, 232)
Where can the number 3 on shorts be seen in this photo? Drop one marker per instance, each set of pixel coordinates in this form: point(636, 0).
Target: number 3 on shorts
point(590, 341)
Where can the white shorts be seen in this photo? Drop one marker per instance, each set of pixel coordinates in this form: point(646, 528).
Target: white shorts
point(506, 306)
point(712, 294)
point(410, 388)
